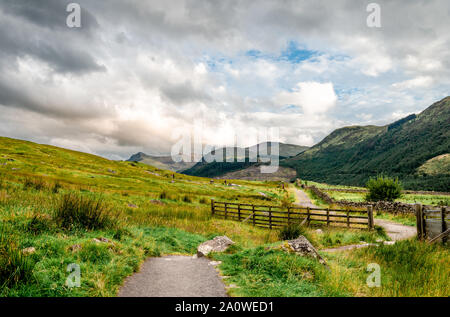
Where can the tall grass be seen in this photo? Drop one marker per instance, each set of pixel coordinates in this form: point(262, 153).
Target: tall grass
point(34, 183)
point(75, 210)
point(14, 266)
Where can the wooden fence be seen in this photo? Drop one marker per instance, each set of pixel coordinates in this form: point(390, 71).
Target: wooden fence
point(276, 217)
point(432, 223)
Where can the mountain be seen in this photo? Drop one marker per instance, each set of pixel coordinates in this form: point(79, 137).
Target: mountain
point(403, 149)
point(161, 162)
point(216, 169)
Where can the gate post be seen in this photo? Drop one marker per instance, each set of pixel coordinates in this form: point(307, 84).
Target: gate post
point(212, 207)
point(370, 217)
point(419, 218)
point(444, 224)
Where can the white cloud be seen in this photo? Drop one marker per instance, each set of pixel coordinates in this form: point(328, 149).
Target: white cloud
point(312, 97)
point(418, 82)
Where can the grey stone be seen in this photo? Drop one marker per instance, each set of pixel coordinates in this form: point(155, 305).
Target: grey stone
point(218, 244)
point(301, 246)
point(29, 250)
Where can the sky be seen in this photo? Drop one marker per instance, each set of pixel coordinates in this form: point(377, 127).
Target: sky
point(138, 74)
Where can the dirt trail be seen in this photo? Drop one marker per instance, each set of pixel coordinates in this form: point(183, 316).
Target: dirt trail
point(175, 276)
point(302, 199)
point(394, 230)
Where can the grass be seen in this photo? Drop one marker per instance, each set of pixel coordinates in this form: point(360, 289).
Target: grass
point(274, 273)
point(408, 268)
point(58, 201)
point(90, 213)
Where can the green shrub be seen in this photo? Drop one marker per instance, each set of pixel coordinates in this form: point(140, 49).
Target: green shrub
point(291, 232)
point(38, 224)
point(383, 188)
point(14, 266)
point(286, 201)
point(187, 199)
point(163, 195)
point(34, 183)
point(56, 187)
point(85, 212)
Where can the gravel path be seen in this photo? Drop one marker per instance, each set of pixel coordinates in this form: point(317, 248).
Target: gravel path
point(395, 231)
point(175, 276)
point(303, 199)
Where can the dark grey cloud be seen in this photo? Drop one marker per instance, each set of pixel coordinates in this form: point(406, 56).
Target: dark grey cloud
point(49, 14)
point(40, 30)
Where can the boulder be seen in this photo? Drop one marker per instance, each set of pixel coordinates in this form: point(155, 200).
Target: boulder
point(102, 240)
point(75, 247)
point(29, 250)
point(218, 244)
point(301, 246)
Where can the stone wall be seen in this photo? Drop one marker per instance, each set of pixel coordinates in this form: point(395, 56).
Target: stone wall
point(386, 206)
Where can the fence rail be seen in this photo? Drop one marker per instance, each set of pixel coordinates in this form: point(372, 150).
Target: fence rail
point(432, 223)
point(276, 217)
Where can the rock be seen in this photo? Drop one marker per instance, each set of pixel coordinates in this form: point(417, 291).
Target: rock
point(301, 246)
point(218, 244)
point(75, 247)
point(111, 171)
point(101, 240)
point(389, 242)
point(319, 231)
point(157, 202)
point(29, 250)
point(132, 206)
point(379, 240)
point(215, 263)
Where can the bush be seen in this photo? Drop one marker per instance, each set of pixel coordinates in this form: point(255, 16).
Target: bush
point(291, 232)
point(187, 199)
point(56, 187)
point(14, 266)
point(85, 212)
point(163, 195)
point(383, 188)
point(286, 201)
point(34, 183)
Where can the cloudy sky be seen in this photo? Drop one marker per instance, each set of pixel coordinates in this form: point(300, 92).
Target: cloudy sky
point(137, 71)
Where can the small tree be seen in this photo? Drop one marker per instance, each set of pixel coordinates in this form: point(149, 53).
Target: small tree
point(383, 188)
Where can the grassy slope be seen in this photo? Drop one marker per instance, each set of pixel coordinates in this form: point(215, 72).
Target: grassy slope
point(350, 155)
point(27, 215)
point(436, 166)
point(152, 229)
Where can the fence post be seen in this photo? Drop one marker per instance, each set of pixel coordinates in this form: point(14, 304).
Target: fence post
point(348, 218)
point(444, 224)
point(270, 218)
point(226, 210)
point(289, 216)
point(419, 221)
point(239, 212)
point(254, 219)
point(308, 216)
point(212, 207)
point(370, 217)
point(328, 217)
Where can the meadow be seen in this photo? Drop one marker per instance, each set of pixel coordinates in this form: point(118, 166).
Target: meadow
point(59, 207)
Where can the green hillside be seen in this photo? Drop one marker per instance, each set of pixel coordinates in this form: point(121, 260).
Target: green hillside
point(350, 155)
point(439, 165)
